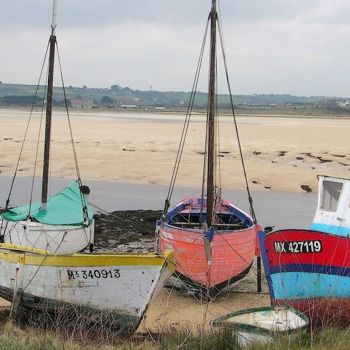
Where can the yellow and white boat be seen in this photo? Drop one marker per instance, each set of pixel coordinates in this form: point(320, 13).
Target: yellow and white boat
point(43, 272)
point(119, 286)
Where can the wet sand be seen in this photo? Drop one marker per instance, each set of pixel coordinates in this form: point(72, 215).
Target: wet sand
point(173, 310)
point(281, 154)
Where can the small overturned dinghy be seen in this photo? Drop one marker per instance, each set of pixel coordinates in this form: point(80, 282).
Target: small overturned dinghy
point(261, 325)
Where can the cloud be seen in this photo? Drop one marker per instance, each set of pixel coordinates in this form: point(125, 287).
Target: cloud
point(272, 46)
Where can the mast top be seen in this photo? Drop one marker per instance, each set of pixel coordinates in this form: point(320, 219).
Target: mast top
point(54, 15)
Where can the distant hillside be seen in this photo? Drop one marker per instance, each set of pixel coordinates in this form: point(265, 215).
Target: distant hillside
point(125, 97)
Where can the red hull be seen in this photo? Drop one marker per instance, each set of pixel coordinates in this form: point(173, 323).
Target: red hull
point(309, 270)
point(334, 249)
point(232, 254)
point(322, 312)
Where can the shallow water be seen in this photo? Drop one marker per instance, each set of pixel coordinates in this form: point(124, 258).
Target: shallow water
point(278, 209)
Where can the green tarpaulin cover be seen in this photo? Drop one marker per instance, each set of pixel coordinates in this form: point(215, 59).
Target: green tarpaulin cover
point(63, 208)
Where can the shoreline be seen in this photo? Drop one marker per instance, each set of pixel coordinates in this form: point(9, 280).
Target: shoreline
point(180, 112)
point(106, 196)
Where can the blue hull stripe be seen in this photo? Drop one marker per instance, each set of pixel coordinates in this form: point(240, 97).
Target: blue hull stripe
point(336, 230)
point(310, 268)
point(299, 285)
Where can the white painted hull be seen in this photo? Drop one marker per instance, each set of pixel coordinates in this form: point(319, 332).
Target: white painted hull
point(58, 239)
point(261, 325)
point(247, 339)
point(118, 284)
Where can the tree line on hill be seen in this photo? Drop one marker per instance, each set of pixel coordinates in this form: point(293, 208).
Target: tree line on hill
point(125, 97)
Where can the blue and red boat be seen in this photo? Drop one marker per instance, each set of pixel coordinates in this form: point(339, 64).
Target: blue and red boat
point(310, 269)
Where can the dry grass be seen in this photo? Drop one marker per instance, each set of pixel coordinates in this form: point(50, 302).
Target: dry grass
point(27, 337)
point(328, 339)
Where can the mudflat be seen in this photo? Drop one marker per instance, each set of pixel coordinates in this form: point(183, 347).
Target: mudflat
point(281, 153)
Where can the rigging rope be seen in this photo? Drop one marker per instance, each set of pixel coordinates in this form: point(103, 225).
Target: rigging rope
point(186, 123)
point(250, 199)
point(36, 159)
point(204, 163)
point(85, 213)
point(24, 139)
point(85, 210)
point(38, 140)
point(218, 145)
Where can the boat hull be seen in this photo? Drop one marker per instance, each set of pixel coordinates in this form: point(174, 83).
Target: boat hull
point(309, 270)
point(58, 239)
point(262, 325)
point(117, 286)
point(232, 254)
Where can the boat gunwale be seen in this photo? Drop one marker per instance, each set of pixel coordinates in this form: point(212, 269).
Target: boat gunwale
point(36, 224)
point(225, 204)
point(200, 231)
point(323, 233)
point(33, 256)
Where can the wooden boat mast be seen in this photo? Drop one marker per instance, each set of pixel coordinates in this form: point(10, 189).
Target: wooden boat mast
point(211, 115)
point(52, 43)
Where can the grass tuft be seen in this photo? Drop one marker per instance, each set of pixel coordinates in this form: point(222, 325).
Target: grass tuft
point(15, 337)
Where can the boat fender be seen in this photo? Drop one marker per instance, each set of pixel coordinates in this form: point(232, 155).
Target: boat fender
point(208, 251)
point(209, 233)
point(85, 190)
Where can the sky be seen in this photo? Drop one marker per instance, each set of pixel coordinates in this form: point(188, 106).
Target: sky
point(299, 47)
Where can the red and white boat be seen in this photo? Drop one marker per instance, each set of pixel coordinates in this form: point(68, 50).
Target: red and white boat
point(213, 241)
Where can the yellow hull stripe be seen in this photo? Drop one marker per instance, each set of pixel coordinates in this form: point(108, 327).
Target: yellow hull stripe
point(32, 256)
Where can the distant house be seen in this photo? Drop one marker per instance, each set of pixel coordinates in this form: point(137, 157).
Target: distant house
point(124, 106)
point(343, 104)
point(79, 103)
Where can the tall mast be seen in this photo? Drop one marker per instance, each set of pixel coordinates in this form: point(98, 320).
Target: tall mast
point(52, 43)
point(211, 115)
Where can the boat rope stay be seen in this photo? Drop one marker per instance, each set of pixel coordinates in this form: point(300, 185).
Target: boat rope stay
point(186, 124)
point(34, 104)
point(7, 202)
point(250, 199)
point(188, 119)
point(65, 210)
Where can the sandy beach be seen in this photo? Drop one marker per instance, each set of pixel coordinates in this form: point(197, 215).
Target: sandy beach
point(281, 153)
point(173, 310)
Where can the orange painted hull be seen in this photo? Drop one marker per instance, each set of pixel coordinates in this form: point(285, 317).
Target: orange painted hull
point(233, 253)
